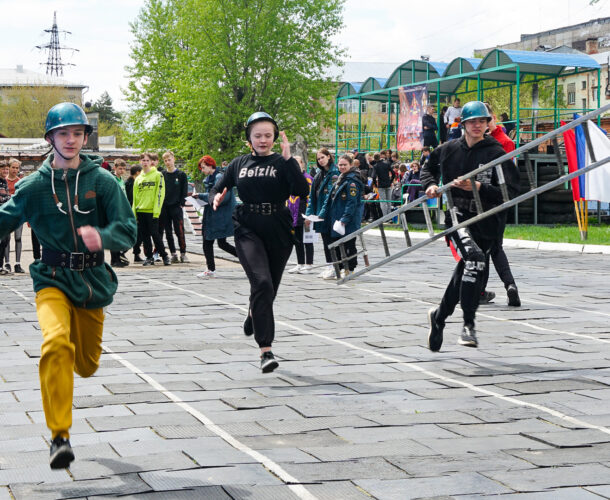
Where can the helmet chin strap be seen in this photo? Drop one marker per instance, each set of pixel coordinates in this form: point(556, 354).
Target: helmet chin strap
point(57, 150)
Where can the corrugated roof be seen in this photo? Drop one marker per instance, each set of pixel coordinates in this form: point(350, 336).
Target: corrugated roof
point(10, 77)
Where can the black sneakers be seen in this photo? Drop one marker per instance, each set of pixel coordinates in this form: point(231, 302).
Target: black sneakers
point(61, 453)
point(167, 261)
point(137, 258)
point(248, 327)
point(268, 362)
point(513, 295)
point(19, 269)
point(486, 297)
point(435, 334)
point(149, 262)
point(468, 337)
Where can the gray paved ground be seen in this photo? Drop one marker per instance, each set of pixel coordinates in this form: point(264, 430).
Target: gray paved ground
point(358, 409)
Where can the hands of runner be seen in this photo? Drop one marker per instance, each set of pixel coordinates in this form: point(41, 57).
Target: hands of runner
point(432, 191)
point(218, 199)
point(285, 146)
point(465, 184)
point(91, 238)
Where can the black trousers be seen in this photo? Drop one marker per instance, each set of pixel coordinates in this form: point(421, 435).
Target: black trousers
point(465, 284)
point(3, 245)
point(350, 249)
point(208, 251)
point(304, 250)
point(148, 228)
point(326, 240)
point(500, 260)
point(171, 221)
point(264, 265)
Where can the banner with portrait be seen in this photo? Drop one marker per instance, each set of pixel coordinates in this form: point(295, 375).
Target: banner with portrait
point(413, 102)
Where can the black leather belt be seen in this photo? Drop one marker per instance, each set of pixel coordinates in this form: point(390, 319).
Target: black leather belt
point(263, 208)
point(76, 261)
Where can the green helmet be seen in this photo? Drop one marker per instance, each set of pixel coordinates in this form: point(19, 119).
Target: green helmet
point(260, 116)
point(475, 109)
point(64, 114)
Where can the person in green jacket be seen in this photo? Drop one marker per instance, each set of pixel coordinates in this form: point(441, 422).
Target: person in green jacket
point(148, 196)
point(77, 210)
point(118, 259)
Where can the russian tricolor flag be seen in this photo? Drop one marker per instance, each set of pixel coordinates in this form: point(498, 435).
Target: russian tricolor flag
point(595, 185)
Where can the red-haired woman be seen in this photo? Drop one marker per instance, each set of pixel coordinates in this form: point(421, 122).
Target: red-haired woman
point(217, 224)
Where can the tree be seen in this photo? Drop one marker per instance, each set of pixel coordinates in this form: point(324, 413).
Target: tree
point(104, 107)
point(23, 110)
point(201, 67)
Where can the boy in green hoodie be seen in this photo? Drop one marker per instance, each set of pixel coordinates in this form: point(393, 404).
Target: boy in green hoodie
point(77, 210)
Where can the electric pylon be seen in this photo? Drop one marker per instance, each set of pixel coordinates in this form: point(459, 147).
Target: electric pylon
point(54, 64)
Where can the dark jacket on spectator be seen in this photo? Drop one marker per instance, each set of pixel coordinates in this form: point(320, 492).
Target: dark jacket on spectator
point(383, 174)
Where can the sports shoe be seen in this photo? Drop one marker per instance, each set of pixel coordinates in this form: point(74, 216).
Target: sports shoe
point(468, 337)
point(7, 268)
point(306, 269)
point(486, 297)
point(61, 453)
point(19, 269)
point(207, 274)
point(329, 274)
point(119, 263)
point(137, 258)
point(511, 292)
point(435, 334)
point(268, 362)
point(167, 261)
point(157, 257)
point(149, 262)
point(175, 259)
point(323, 273)
point(3, 271)
point(296, 269)
point(248, 326)
point(184, 259)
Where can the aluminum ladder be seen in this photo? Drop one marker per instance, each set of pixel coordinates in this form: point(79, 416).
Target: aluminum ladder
point(338, 251)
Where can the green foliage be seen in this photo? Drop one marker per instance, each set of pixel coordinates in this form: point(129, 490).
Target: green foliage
point(104, 107)
point(201, 67)
point(23, 110)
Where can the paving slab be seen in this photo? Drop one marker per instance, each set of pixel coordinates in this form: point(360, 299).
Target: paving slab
point(374, 416)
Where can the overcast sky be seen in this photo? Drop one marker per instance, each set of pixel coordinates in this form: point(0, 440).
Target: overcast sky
point(375, 30)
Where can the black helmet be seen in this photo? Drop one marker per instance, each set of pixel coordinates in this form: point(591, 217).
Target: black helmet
point(261, 116)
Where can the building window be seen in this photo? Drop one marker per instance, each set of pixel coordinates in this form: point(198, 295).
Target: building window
point(363, 106)
point(571, 93)
point(583, 84)
point(584, 104)
point(384, 107)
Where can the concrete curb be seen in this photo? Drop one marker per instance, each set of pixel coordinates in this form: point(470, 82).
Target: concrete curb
point(533, 245)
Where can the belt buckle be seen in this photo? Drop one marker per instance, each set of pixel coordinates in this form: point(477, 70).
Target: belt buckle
point(77, 261)
point(266, 208)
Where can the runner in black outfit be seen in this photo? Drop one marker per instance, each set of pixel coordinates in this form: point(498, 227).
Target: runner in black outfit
point(451, 161)
point(263, 224)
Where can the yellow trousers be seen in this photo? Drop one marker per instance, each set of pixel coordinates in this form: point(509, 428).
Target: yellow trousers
point(72, 342)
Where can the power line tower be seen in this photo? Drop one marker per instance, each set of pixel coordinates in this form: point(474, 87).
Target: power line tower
point(54, 64)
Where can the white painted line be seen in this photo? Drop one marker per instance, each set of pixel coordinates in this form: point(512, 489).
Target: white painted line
point(489, 316)
point(411, 366)
point(273, 467)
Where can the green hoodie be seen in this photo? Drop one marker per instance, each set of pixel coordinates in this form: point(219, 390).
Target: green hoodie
point(149, 193)
point(109, 212)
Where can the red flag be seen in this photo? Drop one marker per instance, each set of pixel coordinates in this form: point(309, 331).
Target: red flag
point(569, 141)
